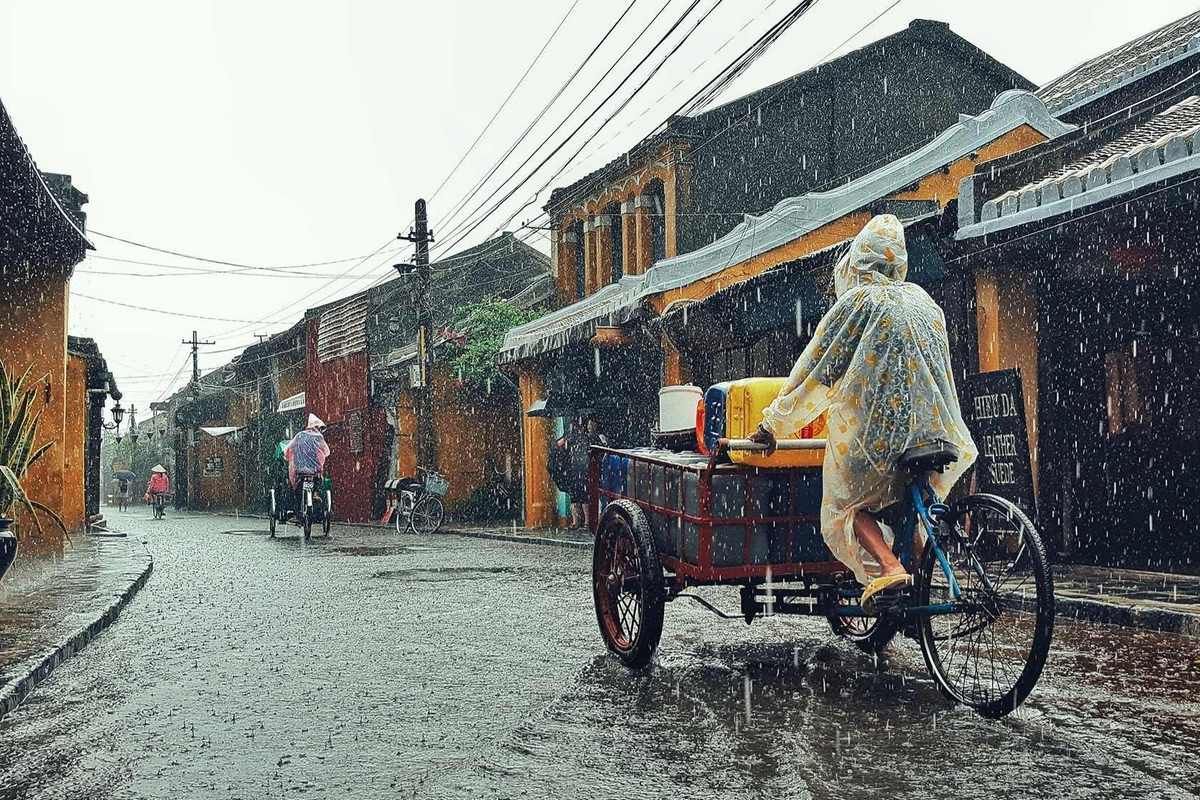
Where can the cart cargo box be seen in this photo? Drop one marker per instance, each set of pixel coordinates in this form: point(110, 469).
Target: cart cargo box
point(727, 522)
point(746, 401)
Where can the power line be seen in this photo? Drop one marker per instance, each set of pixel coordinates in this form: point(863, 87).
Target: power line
point(449, 217)
point(678, 22)
point(217, 260)
point(503, 104)
point(709, 89)
point(155, 310)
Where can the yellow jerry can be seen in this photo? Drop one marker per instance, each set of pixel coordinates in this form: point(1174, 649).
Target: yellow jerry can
point(746, 401)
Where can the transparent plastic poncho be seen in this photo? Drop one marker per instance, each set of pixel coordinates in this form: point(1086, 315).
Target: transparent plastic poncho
point(879, 364)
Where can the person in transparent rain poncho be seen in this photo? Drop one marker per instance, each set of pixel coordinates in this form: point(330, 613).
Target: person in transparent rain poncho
point(879, 364)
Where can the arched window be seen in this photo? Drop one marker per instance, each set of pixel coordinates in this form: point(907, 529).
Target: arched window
point(658, 220)
point(614, 230)
point(577, 230)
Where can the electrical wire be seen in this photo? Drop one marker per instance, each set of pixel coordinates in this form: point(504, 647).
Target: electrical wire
point(155, 310)
point(220, 261)
point(776, 30)
point(450, 216)
point(467, 220)
point(503, 104)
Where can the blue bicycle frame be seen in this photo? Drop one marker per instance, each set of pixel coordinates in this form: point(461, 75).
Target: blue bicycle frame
point(923, 507)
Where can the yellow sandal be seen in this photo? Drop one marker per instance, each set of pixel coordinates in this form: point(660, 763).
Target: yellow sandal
point(880, 585)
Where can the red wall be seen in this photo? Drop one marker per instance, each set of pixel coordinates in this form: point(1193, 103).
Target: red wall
point(332, 389)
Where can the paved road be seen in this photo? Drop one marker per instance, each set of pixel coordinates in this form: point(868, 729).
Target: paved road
point(379, 666)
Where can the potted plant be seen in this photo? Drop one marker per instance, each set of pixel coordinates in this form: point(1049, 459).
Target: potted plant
point(18, 432)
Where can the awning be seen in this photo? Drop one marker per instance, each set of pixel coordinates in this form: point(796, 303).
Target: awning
point(293, 403)
point(615, 304)
point(221, 431)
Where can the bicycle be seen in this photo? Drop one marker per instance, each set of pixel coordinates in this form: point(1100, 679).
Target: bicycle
point(419, 506)
point(158, 504)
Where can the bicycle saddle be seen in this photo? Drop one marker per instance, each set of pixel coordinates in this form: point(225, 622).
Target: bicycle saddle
point(932, 456)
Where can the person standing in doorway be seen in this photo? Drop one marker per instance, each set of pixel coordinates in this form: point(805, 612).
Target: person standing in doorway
point(586, 434)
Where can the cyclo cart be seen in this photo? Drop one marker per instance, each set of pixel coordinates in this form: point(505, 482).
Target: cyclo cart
point(316, 498)
point(981, 606)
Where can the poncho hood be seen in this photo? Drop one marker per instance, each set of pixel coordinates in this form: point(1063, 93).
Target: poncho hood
point(878, 254)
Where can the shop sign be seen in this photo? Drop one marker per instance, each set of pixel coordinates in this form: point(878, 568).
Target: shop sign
point(994, 409)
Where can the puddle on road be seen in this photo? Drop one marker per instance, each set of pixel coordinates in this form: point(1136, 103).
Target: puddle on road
point(372, 551)
point(442, 574)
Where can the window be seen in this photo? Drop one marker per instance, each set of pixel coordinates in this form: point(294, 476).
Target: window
point(1124, 403)
point(658, 221)
point(618, 251)
point(577, 229)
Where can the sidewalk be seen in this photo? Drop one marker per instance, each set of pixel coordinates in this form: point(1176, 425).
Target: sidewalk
point(51, 608)
point(1134, 598)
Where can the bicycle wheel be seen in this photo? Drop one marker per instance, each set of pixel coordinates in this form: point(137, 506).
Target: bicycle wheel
point(327, 515)
point(427, 514)
point(991, 654)
point(627, 584)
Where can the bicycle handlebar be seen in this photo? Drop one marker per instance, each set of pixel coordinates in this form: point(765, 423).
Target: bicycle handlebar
point(782, 444)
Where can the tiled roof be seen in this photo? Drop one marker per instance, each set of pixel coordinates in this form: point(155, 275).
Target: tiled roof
point(1162, 147)
point(1123, 65)
point(794, 217)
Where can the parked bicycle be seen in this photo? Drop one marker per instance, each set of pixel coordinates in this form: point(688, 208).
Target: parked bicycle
point(419, 506)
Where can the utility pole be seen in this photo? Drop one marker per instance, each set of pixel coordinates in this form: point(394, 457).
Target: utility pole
point(193, 460)
point(195, 343)
point(421, 236)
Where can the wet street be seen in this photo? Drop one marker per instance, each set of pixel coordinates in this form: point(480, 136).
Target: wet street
point(379, 666)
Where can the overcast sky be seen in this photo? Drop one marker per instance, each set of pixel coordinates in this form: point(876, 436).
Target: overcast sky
point(284, 133)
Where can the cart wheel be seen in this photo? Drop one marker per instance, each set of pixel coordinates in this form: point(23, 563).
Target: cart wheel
point(991, 656)
point(869, 634)
point(273, 514)
point(627, 584)
point(272, 525)
point(427, 515)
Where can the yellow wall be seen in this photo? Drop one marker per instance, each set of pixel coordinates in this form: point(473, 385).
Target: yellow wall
point(1006, 318)
point(75, 443)
point(33, 333)
point(470, 428)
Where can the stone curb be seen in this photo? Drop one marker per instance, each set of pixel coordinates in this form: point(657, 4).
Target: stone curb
point(35, 669)
point(1129, 615)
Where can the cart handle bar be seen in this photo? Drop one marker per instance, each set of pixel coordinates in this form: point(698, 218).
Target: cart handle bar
point(782, 444)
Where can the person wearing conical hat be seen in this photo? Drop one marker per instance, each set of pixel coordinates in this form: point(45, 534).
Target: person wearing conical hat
point(879, 365)
point(159, 483)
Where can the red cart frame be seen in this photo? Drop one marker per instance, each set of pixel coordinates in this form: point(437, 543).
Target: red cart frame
point(704, 572)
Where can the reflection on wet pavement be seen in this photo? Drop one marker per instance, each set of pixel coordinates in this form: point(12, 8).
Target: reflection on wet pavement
point(373, 666)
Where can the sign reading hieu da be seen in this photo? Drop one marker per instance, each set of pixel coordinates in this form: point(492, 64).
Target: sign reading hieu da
point(994, 407)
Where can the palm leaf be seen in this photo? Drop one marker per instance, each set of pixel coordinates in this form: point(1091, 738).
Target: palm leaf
point(50, 513)
point(9, 479)
point(38, 454)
